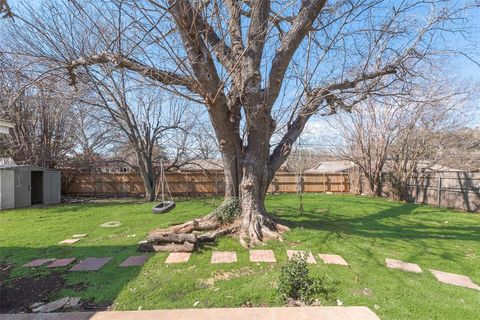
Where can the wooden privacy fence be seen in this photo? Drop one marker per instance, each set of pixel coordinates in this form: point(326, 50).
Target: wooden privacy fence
point(460, 190)
point(194, 184)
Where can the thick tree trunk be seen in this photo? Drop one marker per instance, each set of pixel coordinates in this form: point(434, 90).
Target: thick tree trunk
point(247, 177)
point(256, 225)
point(253, 224)
point(148, 176)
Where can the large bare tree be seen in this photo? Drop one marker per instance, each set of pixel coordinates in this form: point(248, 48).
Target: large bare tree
point(44, 131)
point(262, 68)
point(145, 116)
point(394, 134)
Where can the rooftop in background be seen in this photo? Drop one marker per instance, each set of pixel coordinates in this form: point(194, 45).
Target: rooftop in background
point(5, 126)
point(25, 167)
point(6, 161)
point(428, 166)
point(203, 165)
point(332, 166)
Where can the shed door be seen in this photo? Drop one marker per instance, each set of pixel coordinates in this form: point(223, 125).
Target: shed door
point(51, 187)
point(22, 186)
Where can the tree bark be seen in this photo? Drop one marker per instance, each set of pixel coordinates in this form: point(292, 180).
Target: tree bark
point(147, 173)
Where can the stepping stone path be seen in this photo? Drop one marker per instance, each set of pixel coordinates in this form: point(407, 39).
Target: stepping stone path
point(69, 241)
point(224, 257)
point(262, 256)
point(178, 257)
point(134, 261)
point(91, 264)
point(404, 266)
point(455, 279)
point(61, 263)
point(310, 258)
point(83, 235)
point(333, 259)
point(37, 263)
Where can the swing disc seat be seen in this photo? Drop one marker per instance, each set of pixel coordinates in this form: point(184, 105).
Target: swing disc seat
point(163, 207)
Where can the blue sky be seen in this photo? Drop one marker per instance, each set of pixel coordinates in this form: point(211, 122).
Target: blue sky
point(458, 67)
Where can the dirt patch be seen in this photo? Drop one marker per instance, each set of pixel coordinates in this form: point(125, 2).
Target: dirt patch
point(77, 287)
point(19, 294)
point(226, 275)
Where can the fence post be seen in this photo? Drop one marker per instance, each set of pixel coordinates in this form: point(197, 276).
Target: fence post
point(439, 190)
point(324, 184)
point(341, 182)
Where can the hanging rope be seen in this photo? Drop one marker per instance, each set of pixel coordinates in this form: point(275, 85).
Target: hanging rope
point(299, 181)
point(300, 194)
point(162, 184)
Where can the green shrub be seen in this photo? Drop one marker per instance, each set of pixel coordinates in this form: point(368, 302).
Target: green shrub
point(228, 211)
point(296, 283)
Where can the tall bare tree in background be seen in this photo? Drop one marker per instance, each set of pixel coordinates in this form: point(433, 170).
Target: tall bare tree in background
point(44, 129)
point(460, 148)
point(262, 69)
point(145, 116)
point(395, 134)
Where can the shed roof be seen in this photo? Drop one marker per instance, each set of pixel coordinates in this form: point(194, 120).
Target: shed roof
point(25, 167)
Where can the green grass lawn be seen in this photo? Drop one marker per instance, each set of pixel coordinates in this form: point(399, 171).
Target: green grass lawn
point(364, 231)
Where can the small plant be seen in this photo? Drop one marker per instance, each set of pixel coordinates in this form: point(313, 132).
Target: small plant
point(228, 211)
point(296, 283)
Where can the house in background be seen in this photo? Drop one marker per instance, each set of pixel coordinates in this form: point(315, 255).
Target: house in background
point(5, 126)
point(200, 165)
point(6, 161)
point(332, 166)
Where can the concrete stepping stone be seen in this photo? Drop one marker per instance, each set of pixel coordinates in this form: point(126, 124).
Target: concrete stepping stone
point(111, 224)
point(310, 258)
point(333, 259)
point(178, 257)
point(69, 241)
point(37, 263)
point(404, 266)
point(224, 257)
point(134, 261)
point(262, 256)
point(61, 263)
point(91, 264)
point(81, 235)
point(455, 279)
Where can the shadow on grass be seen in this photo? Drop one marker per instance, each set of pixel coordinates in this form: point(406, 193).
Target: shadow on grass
point(76, 207)
point(20, 287)
point(386, 223)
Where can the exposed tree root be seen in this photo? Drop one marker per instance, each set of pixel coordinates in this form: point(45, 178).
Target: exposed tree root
point(260, 229)
point(189, 235)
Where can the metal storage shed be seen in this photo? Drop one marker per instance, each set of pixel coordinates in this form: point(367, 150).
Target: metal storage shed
point(24, 185)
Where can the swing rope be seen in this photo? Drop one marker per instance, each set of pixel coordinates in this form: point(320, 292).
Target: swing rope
point(300, 177)
point(163, 183)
